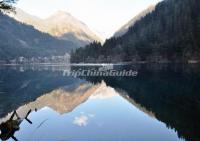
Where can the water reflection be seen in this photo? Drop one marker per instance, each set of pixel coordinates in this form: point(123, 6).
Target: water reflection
point(103, 114)
point(12, 125)
point(172, 93)
point(131, 108)
point(17, 88)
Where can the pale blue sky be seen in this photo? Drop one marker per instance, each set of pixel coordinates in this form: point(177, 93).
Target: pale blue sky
point(102, 16)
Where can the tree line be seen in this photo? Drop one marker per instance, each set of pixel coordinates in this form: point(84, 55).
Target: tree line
point(171, 33)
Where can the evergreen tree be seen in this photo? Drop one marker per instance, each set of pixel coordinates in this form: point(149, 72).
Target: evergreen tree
point(171, 32)
point(7, 5)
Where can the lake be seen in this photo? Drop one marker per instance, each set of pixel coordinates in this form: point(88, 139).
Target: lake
point(160, 103)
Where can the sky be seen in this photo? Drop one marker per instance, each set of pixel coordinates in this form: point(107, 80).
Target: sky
point(104, 17)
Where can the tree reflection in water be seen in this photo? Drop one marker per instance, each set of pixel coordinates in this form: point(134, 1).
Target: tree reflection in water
point(12, 125)
point(171, 93)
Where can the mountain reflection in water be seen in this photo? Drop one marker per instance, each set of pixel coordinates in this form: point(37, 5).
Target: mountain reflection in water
point(117, 108)
point(97, 113)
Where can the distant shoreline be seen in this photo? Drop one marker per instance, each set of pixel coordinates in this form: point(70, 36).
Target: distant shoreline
point(101, 64)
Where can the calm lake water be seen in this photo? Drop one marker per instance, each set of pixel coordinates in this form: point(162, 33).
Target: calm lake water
point(161, 103)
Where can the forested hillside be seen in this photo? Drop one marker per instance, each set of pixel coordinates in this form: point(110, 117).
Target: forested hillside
point(171, 33)
point(124, 28)
point(18, 39)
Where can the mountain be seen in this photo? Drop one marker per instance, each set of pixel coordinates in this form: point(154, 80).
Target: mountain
point(18, 39)
point(61, 25)
point(124, 29)
point(25, 18)
point(170, 33)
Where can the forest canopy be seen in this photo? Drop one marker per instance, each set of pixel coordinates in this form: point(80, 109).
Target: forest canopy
point(171, 33)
